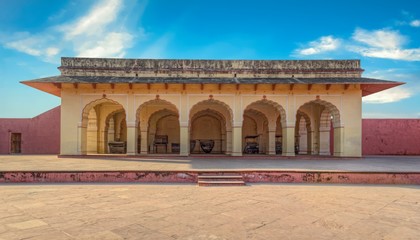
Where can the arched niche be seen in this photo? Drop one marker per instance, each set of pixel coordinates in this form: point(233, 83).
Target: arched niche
point(210, 120)
point(156, 120)
point(274, 117)
point(326, 127)
point(95, 125)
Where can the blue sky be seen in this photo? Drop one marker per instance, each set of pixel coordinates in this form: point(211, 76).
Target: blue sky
point(385, 35)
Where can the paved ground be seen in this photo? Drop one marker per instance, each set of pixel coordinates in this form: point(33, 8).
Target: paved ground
point(149, 211)
point(52, 162)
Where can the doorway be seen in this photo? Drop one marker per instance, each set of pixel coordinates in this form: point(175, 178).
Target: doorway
point(16, 143)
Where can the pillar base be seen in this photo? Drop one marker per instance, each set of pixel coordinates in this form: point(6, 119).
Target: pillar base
point(288, 154)
point(236, 154)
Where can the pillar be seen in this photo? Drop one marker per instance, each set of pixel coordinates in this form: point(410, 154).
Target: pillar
point(288, 134)
point(117, 129)
point(339, 141)
point(143, 137)
point(184, 137)
point(111, 132)
point(303, 140)
point(314, 143)
point(229, 142)
point(272, 141)
point(102, 148)
point(309, 141)
point(82, 132)
point(237, 141)
point(131, 138)
point(324, 141)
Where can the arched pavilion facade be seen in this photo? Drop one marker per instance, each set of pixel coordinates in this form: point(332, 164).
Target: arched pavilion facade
point(228, 107)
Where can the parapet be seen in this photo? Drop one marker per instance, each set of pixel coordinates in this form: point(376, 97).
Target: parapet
point(209, 68)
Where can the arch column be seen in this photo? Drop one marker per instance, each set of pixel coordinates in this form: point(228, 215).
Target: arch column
point(324, 141)
point(82, 131)
point(102, 148)
point(184, 137)
point(338, 141)
point(143, 138)
point(272, 140)
point(131, 138)
point(111, 130)
point(229, 142)
point(288, 133)
point(237, 140)
point(303, 142)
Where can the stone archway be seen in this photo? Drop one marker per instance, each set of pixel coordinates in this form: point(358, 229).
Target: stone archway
point(116, 127)
point(210, 124)
point(303, 133)
point(95, 125)
point(275, 117)
point(158, 128)
point(323, 114)
point(255, 132)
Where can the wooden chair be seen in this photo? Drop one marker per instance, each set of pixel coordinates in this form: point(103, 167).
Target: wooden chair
point(160, 140)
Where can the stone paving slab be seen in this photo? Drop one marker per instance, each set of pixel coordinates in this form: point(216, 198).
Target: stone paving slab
point(171, 163)
point(172, 211)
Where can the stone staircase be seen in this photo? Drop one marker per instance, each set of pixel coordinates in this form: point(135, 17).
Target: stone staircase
point(220, 179)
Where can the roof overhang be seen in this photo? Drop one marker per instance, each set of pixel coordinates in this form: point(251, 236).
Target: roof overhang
point(53, 84)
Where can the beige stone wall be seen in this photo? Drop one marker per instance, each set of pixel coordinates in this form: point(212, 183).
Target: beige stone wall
point(278, 105)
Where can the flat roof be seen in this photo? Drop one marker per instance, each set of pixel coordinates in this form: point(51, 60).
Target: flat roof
point(250, 66)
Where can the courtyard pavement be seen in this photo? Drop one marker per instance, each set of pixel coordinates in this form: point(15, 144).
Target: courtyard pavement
point(211, 162)
point(172, 211)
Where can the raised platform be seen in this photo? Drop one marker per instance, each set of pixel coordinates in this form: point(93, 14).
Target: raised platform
point(174, 169)
point(192, 177)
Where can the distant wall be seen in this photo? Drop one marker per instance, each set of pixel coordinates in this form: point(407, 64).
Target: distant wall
point(40, 135)
point(391, 137)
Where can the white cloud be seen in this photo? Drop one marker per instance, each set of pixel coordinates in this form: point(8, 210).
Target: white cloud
point(95, 22)
point(388, 96)
point(99, 33)
point(415, 23)
point(52, 51)
point(397, 54)
point(25, 46)
point(383, 43)
point(113, 45)
point(379, 38)
point(31, 45)
point(321, 45)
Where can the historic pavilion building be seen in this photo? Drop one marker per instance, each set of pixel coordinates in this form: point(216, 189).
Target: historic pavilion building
point(232, 107)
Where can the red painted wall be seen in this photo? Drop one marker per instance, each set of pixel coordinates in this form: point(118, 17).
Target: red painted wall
point(40, 135)
point(391, 136)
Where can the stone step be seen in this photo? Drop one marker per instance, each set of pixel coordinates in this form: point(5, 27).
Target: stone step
point(220, 177)
point(208, 183)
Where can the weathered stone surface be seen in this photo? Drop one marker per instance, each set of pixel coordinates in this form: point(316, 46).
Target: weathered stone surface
point(209, 68)
point(191, 177)
point(391, 136)
point(259, 211)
